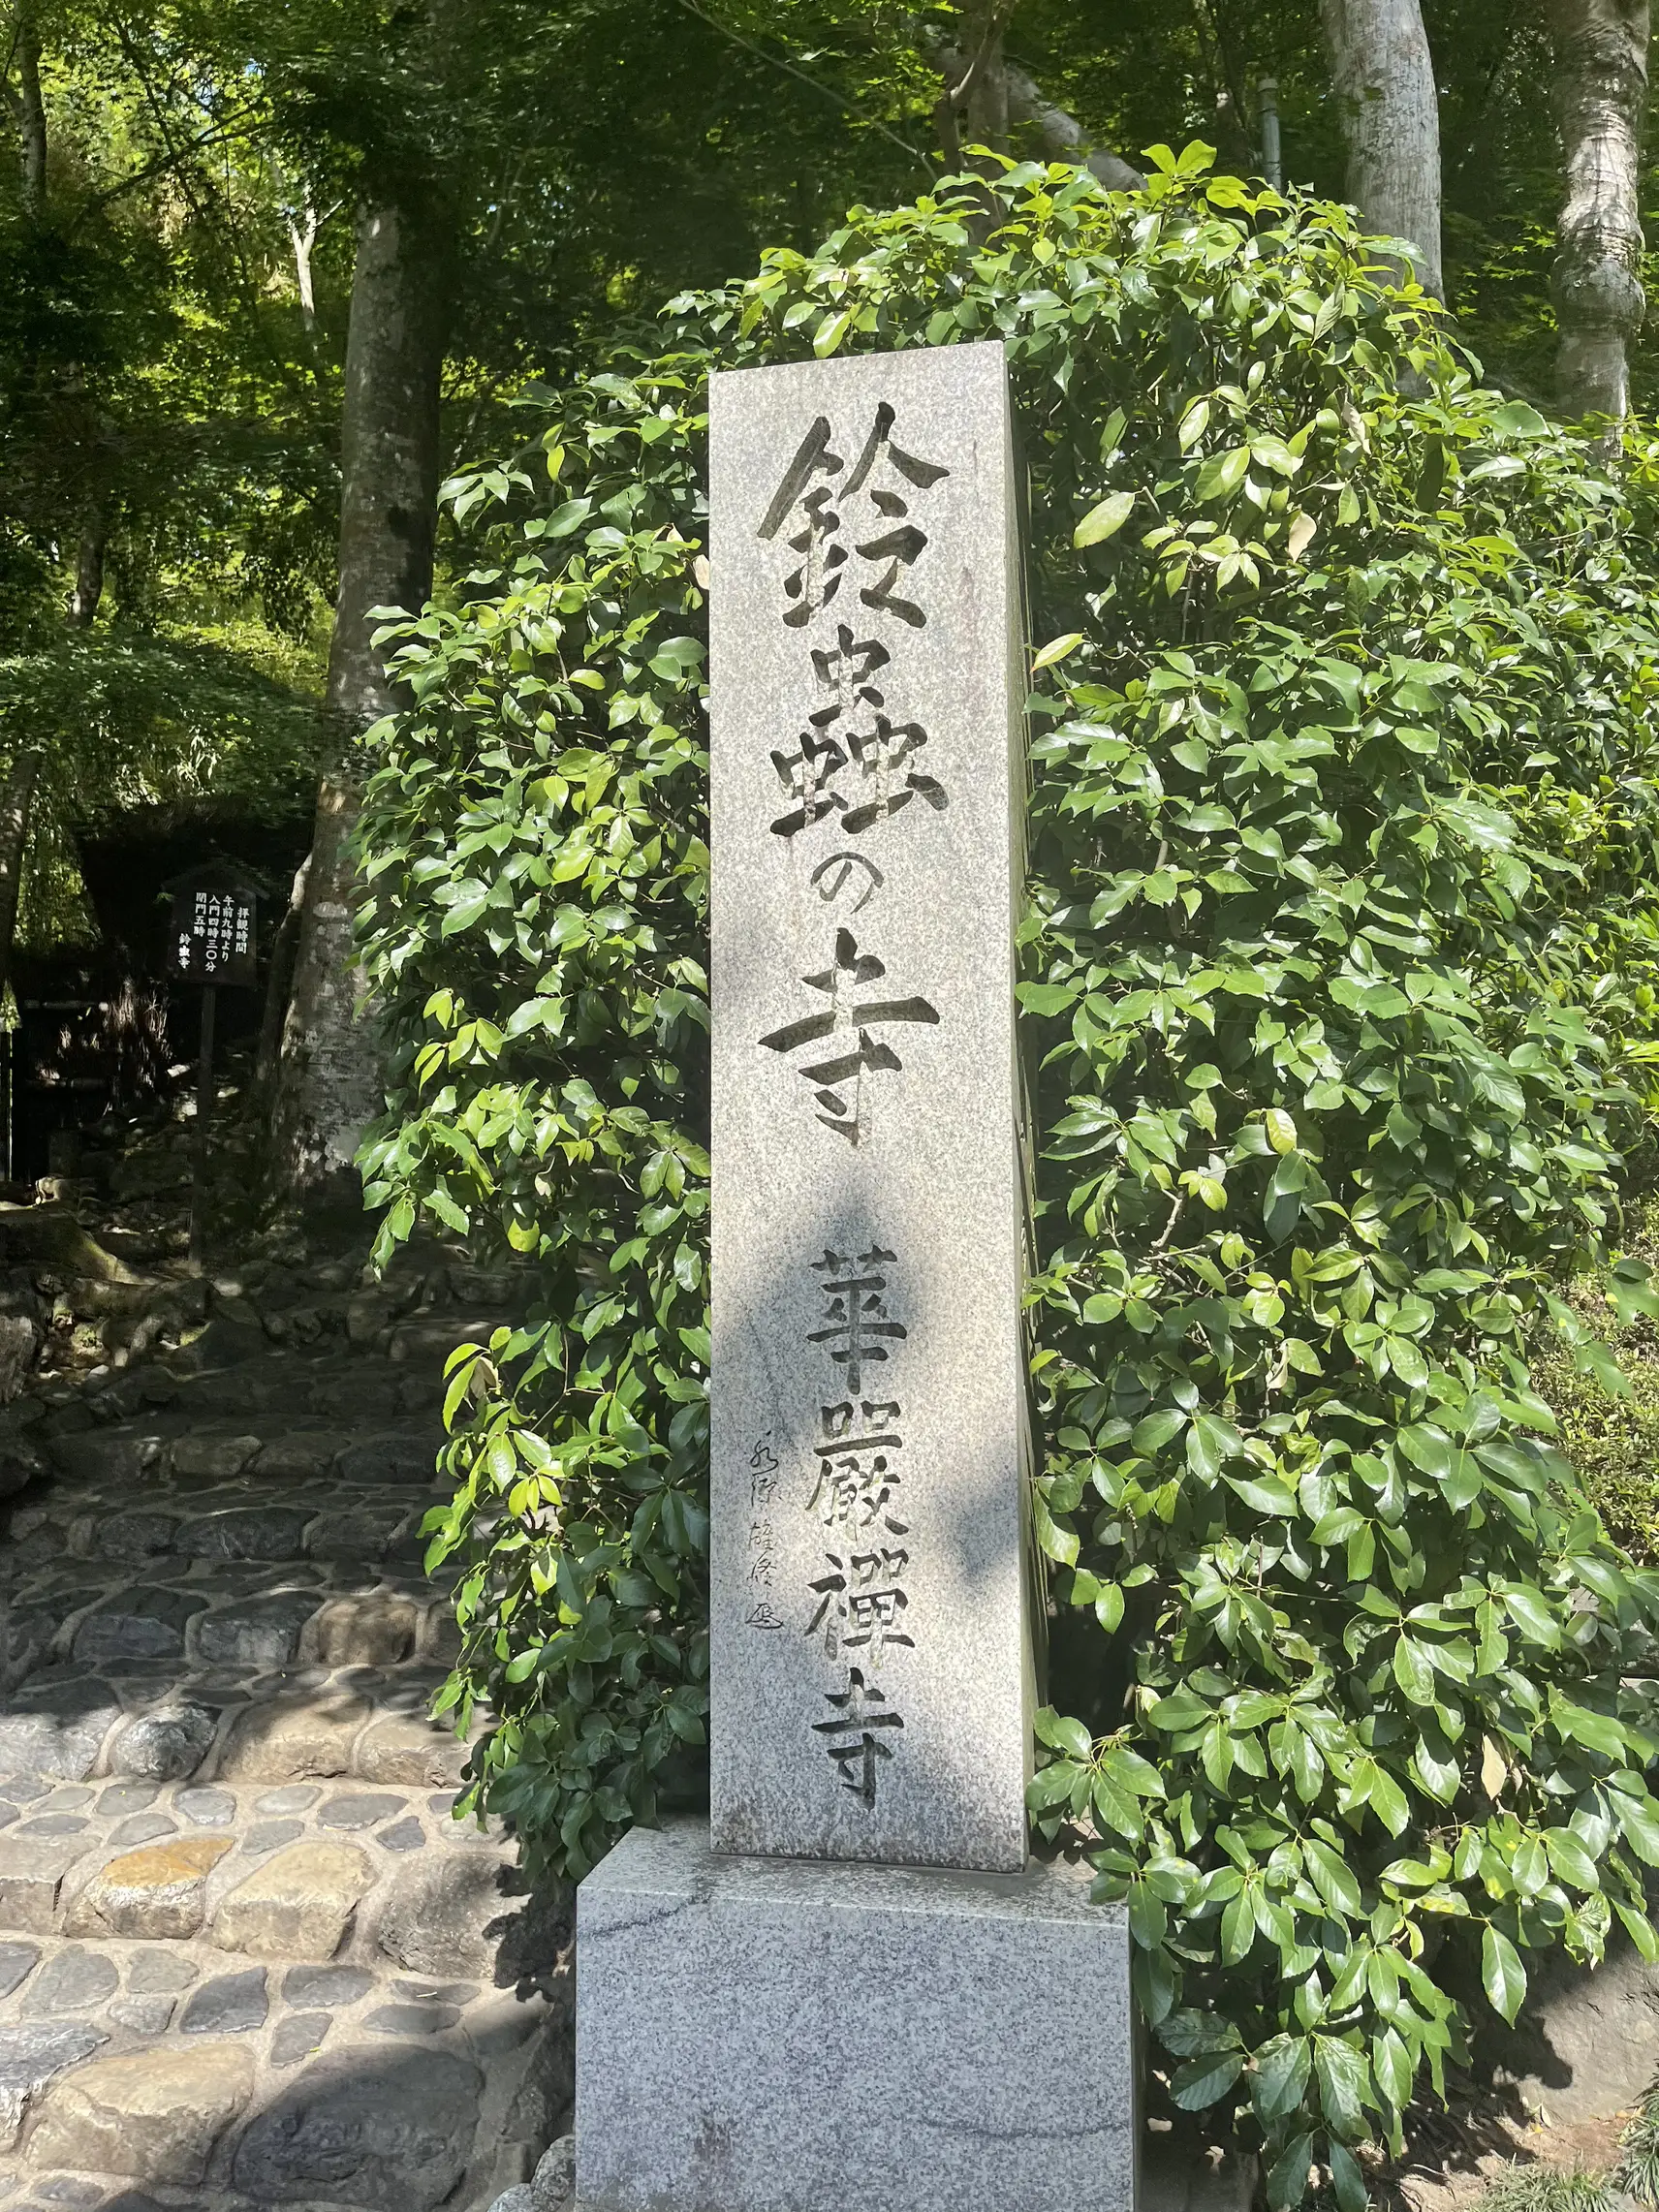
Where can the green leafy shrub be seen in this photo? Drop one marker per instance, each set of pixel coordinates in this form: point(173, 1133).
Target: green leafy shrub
point(1341, 820)
point(1611, 1435)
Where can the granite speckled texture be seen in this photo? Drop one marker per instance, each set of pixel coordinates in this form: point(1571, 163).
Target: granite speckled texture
point(870, 1669)
point(773, 2035)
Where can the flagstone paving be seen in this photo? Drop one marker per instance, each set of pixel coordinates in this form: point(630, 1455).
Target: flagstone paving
point(247, 1957)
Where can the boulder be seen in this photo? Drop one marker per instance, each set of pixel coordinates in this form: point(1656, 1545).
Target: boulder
point(29, 2057)
point(154, 2116)
point(157, 1892)
point(391, 2134)
point(297, 1904)
point(448, 1918)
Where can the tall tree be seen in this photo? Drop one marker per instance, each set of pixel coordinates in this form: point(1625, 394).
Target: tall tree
point(329, 1082)
point(1383, 77)
point(147, 434)
point(1598, 91)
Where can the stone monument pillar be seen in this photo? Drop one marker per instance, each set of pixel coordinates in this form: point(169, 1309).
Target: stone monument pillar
point(851, 1979)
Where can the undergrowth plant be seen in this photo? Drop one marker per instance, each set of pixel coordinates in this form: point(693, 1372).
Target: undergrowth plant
point(1343, 744)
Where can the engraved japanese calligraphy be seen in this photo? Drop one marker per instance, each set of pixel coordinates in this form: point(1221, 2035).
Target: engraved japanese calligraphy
point(838, 1079)
point(869, 1659)
point(861, 1600)
point(853, 763)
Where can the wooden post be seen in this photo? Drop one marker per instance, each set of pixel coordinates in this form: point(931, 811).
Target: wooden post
point(204, 1108)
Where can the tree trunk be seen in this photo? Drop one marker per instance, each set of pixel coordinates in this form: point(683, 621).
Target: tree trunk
point(83, 599)
point(329, 1081)
point(1384, 79)
point(302, 237)
point(22, 777)
point(278, 983)
point(1599, 92)
point(31, 115)
point(1015, 102)
point(984, 88)
point(16, 804)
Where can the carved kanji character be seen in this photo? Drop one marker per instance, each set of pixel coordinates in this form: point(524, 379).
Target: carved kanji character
point(860, 1710)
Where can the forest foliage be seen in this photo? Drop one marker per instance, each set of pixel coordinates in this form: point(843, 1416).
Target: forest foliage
point(1337, 958)
point(178, 268)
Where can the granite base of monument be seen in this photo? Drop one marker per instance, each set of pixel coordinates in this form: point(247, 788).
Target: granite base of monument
point(767, 2035)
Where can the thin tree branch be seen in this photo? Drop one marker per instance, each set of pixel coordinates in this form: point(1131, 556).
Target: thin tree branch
point(789, 69)
point(163, 163)
point(1059, 135)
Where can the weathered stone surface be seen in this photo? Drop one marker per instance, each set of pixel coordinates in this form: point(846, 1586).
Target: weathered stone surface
point(67, 1797)
point(447, 1917)
point(993, 2063)
point(20, 1462)
point(126, 1537)
point(552, 2185)
point(868, 1365)
point(1586, 2044)
point(66, 2189)
point(57, 1729)
point(272, 1835)
point(298, 1455)
point(324, 1986)
point(298, 1905)
point(246, 1532)
point(146, 2016)
point(29, 2057)
point(390, 1458)
point(258, 1631)
point(442, 1644)
point(402, 1835)
point(19, 1339)
point(220, 1456)
point(144, 1623)
point(104, 1455)
point(299, 1799)
point(125, 1797)
point(392, 2137)
point(158, 1891)
point(229, 2005)
point(165, 1744)
point(31, 1879)
point(541, 2106)
point(360, 1810)
point(153, 1969)
point(373, 1631)
point(74, 1982)
point(56, 1825)
point(209, 1808)
point(298, 2036)
point(410, 2019)
point(407, 1748)
point(16, 1962)
point(154, 2115)
point(142, 1827)
point(294, 1738)
point(501, 2022)
point(355, 1531)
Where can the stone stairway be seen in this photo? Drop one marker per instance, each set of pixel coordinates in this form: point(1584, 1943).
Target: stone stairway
point(247, 1957)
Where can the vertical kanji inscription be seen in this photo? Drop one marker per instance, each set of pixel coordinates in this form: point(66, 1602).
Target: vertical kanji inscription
point(870, 1669)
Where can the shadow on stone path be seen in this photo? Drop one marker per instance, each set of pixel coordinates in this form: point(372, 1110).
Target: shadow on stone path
point(246, 1957)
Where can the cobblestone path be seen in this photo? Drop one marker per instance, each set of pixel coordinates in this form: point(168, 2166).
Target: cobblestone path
point(246, 1957)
